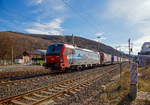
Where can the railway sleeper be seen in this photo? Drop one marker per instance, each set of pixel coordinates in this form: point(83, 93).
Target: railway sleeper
point(78, 90)
point(66, 95)
point(60, 98)
point(38, 95)
point(18, 102)
point(63, 86)
point(73, 92)
point(53, 90)
point(29, 98)
point(58, 88)
point(46, 92)
point(50, 102)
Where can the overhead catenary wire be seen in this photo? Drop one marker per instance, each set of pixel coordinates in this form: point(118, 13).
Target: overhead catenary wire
point(78, 14)
point(85, 19)
point(9, 13)
point(13, 13)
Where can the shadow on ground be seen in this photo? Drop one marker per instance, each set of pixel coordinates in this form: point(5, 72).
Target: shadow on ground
point(126, 100)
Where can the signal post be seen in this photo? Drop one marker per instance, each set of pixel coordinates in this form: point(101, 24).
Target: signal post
point(133, 79)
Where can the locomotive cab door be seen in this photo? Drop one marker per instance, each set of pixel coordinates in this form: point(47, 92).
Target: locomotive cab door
point(69, 53)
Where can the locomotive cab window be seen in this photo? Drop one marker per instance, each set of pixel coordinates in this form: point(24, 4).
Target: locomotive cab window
point(54, 50)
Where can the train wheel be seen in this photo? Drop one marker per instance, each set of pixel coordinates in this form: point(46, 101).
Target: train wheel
point(83, 67)
point(68, 70)
point(78, 68)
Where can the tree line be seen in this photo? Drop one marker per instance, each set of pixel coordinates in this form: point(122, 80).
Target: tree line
point(6, 48)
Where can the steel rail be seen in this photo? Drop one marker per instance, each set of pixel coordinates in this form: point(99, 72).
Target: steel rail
point(40, 89)
point(51, 87)
point(84, 83)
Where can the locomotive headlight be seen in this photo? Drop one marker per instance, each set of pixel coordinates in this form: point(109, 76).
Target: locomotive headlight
point(61, 59)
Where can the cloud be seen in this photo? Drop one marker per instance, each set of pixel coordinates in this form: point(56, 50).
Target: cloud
point(122, 47)
point(99, 34)
point(136, 45)
point(59, 7)
point(55, 23)
point(100, 40)
point(139, 42)
point(39, 1)
point(55, 5)
point(134, 12)
point(36, 31)
point(35, 2)
point(51, 28)
point(48, 10)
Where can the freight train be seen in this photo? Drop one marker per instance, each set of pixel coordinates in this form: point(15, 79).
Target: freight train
point(64, 57)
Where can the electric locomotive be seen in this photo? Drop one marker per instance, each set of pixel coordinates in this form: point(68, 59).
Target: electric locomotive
point(64, 56)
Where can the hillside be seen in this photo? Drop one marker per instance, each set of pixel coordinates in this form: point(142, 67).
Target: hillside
point(28, 42)
point(79, 41)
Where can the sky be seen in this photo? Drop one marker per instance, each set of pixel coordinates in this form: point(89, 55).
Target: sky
point(115, 21)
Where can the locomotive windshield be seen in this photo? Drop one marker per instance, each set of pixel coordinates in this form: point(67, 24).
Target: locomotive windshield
point(54, 50)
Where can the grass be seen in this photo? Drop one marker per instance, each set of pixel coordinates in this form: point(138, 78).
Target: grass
point(144, 79)
point(117, 94)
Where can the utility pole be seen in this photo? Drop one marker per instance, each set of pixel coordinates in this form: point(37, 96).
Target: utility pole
point(129, 42)
point(98, 42)
point(120, 65)
point(120, 62)
point(64, 38)
point(131, 48)
point(73, 40)
point(12, 54)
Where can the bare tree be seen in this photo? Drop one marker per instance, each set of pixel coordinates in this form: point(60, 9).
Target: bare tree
point(6, 46)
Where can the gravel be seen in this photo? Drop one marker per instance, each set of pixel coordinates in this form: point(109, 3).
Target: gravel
point(34, 83)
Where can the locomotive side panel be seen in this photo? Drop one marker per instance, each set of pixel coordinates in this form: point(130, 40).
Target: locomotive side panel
point(82, 57)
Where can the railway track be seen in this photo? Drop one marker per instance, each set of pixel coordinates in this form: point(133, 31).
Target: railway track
point(18, 87)
point(19, 81)
point(48, 93)
point(15, 82)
